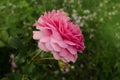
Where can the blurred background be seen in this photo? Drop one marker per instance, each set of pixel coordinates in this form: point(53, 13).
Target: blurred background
point(99, 21)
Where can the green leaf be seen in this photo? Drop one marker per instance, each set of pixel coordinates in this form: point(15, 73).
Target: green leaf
point(2, 44)
point(4, 35)
point(15, 43)
point(13, 76)
point(28, 68)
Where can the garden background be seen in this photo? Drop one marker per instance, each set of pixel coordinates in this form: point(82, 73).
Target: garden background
point(99, 21)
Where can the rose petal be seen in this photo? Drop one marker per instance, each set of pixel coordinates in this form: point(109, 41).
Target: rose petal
point(55, 47)
point(42, 46)
point(72, 50)
point(48, 46)
point(36, 35)
point(56, 55)
point(45, 39)
point(69, 42)
point(60, 43)
point(68, 56)
point(56, 35)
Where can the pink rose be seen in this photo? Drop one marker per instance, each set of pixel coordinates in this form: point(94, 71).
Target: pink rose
point(57, 34)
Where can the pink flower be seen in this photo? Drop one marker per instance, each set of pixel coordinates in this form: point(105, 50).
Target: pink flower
point(58, 35)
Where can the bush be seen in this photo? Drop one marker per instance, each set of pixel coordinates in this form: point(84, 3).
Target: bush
point(99, 21)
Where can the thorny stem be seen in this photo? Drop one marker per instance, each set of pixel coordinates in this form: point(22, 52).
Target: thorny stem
point(24, 77)
point(47, 58)
point(42, 59)
point(36, 55)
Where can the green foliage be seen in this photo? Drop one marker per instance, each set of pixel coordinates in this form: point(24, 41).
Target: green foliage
point(98, 19)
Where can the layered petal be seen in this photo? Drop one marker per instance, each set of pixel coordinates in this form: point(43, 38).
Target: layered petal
point(58, 35)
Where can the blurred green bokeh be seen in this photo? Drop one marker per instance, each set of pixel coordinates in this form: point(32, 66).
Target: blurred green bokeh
point(98, 19)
